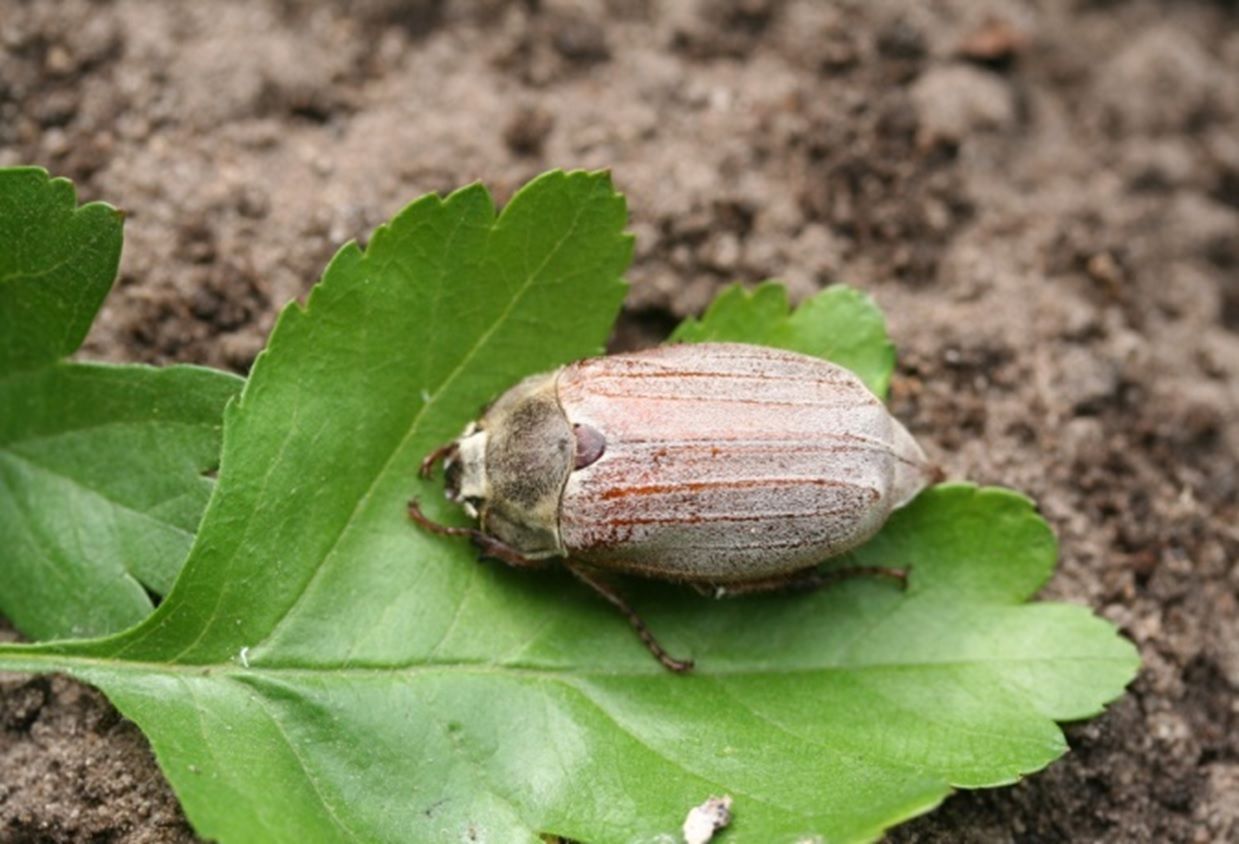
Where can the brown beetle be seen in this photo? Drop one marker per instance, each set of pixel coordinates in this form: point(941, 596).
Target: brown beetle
point(731, 467)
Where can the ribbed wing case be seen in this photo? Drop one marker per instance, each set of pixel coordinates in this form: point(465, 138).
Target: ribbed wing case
point(726, 463)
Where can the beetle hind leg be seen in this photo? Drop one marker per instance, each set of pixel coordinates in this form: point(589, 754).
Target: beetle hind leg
point(804, 580)
point(679, 666)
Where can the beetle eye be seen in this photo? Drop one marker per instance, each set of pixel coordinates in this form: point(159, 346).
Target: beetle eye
point(452, 471)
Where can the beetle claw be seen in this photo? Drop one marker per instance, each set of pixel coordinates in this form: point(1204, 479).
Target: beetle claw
point(893, 573)
point(897, 574)
point(903, 575)
point(679, 666)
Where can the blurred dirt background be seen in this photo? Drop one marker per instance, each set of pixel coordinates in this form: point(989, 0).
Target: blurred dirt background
point(1044, 197)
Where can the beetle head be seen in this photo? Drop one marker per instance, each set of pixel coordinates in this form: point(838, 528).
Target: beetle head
point(464, 470)
point(508, 469)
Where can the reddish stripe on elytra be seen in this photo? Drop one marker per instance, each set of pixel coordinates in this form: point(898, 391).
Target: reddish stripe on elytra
point(744, 483)
point(739, 544)
point(745, 439)
point(727, 375)
point(671, 355)
point(715, 445)
point(859, 401)
point(697, 518)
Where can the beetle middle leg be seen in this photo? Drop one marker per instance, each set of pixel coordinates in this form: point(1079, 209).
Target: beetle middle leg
point(804, 580)
point(638, 624)
point(488, 545)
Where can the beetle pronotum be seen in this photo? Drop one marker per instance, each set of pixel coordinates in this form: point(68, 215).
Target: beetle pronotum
point(730, 467)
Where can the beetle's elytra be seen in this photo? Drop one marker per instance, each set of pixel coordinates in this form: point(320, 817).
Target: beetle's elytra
point(733, 467)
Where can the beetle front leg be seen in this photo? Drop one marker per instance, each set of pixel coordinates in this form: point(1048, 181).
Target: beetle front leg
point(612, 597)
point(488, 545)
point(804, 580)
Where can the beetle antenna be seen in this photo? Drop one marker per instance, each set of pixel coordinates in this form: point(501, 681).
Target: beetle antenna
point(679, 666)
point(428, 462)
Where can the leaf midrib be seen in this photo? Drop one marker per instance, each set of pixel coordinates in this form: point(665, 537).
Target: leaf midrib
point(26, 658)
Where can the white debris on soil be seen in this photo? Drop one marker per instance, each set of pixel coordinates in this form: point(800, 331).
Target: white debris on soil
point(705, 820)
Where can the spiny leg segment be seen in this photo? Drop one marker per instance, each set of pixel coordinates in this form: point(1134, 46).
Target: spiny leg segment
point(612, 597)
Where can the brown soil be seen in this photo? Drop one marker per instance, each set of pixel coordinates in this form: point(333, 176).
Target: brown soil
point(1044, 196)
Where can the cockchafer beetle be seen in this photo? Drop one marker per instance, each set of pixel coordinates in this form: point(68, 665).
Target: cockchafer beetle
point(730, 467)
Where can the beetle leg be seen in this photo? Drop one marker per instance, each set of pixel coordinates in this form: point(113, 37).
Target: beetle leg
point(803, 580)
point(494, 549)
point(424, 522)
point(489, 546)
point(612, 597)
point(428, 462)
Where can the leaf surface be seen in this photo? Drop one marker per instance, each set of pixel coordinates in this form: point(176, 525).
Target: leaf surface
point(57, 262)
point(101, 484)
point(840, 324)
point(323, 670)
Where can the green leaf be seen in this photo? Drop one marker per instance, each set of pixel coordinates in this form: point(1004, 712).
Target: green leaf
point(324, 671)
point(101, 472)
point(840, 324)
point(57, 262)
point(101, 483)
